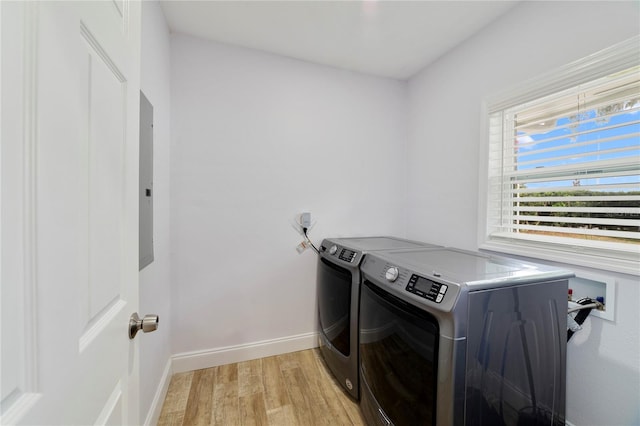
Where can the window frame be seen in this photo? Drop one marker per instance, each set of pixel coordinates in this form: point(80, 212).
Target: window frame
point(617, 58)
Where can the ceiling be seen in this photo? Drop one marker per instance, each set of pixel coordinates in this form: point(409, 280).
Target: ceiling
point(385, 38)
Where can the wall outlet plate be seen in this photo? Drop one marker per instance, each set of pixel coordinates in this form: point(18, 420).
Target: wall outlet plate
point(305, 220)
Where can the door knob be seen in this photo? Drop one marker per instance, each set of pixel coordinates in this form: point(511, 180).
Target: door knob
point(147, 324)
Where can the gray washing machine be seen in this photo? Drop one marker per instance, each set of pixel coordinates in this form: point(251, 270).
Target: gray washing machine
point(338, 289)
point(451, 337)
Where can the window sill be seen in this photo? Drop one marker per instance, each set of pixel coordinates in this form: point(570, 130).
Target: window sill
point(591, 258)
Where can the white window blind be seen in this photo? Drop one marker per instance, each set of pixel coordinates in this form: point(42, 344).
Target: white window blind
point(564, 169)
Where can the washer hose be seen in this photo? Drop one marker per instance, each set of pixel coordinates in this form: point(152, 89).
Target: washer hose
point(585, 310)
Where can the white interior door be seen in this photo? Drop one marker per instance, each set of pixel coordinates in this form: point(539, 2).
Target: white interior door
point(70, 106)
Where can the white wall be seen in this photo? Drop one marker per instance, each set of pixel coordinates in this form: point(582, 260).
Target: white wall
point(257, 138)
point(155, 348)
point(603, 383)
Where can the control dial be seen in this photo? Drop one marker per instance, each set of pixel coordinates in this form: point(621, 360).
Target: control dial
point(392, 274)
point(333, 250)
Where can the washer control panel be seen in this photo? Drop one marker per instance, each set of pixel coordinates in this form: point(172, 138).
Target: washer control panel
point(347, 255)
point(426, 288)
point(340, 255)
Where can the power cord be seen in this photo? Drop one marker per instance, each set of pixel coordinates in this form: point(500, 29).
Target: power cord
point(306, 237)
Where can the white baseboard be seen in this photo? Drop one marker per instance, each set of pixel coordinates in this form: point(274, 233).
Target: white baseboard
point(197, 360)
point(153, 415)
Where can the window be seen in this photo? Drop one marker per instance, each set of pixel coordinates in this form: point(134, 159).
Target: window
point(564, 168)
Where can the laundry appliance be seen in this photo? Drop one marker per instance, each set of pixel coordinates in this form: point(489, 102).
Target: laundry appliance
point(338, 288)
point(452, 337)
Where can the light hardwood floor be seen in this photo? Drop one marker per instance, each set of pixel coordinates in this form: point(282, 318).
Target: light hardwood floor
point(289, 389)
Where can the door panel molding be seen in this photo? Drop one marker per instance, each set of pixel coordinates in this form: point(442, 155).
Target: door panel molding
point(19, 232)
point(111, 413)
point(100, 323)
point(118, 4)
point(100, 52)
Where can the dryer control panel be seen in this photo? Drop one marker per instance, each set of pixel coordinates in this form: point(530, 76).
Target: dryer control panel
point(426, 288)
point(415, 287)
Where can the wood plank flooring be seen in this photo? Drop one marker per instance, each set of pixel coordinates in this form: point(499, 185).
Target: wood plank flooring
point(290, 389)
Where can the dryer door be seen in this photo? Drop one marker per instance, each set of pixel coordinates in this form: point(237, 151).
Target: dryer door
point(398, 360)
point(334, 304)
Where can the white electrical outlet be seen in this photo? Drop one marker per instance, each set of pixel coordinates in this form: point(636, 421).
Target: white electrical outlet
point(305, 220)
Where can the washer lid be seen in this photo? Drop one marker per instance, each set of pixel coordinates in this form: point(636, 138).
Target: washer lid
point(365, 244)
point(472, 268)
